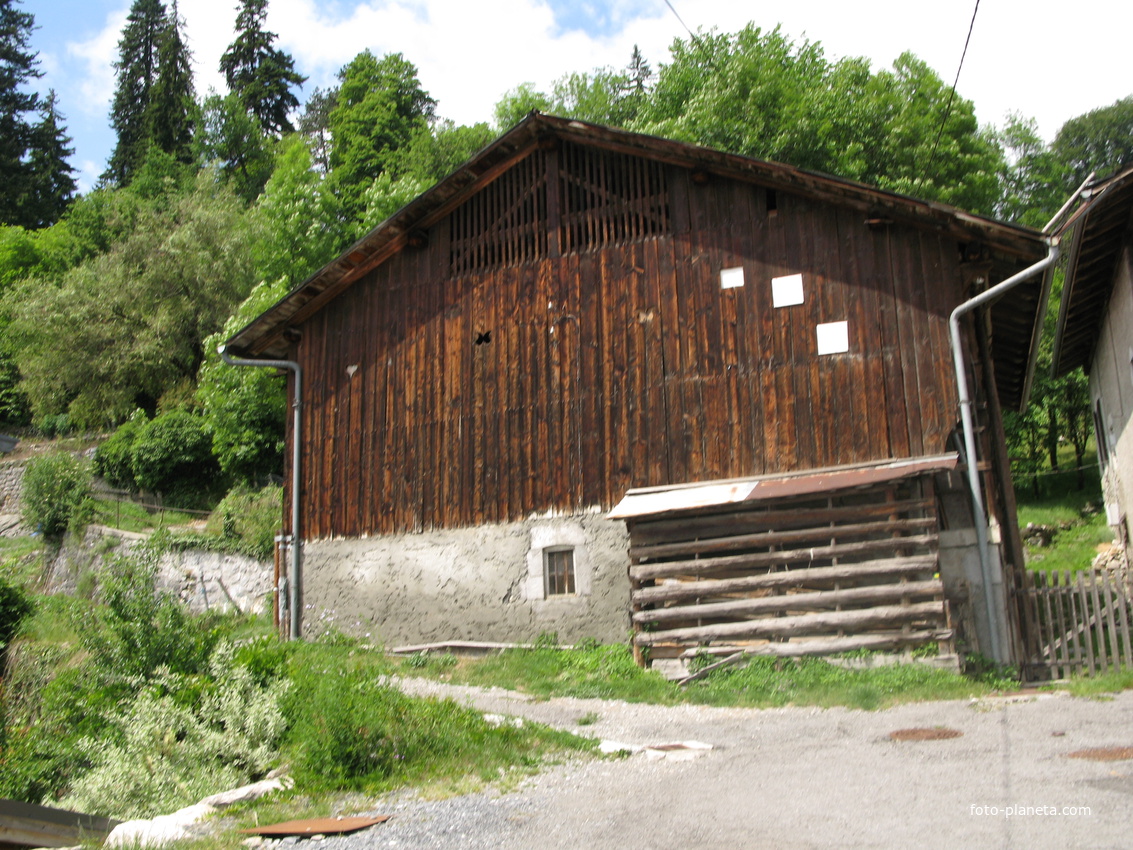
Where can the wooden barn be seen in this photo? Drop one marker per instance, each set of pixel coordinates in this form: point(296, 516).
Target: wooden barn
point(596, 383)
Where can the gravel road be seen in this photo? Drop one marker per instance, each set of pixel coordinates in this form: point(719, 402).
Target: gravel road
point(795, 778)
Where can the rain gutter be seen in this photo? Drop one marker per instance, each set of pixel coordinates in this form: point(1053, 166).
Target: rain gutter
point(294, 581)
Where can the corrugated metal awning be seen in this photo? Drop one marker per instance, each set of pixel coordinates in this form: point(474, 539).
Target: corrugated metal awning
point(652, 501)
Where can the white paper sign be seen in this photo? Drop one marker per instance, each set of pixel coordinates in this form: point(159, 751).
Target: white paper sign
point(833, 338)
point(787, 291)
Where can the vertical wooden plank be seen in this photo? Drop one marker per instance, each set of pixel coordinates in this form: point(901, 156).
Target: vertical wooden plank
point(1097, 619)
point(1081, 622)
point(1111, 632)
point(1122, 602)
point(1067, 638)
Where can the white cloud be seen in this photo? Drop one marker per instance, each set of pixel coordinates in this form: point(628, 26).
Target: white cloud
point(96, 56)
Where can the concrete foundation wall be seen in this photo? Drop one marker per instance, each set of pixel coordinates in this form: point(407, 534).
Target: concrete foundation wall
point(483, 583)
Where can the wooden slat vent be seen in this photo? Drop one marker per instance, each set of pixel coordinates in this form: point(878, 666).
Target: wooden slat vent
point(610, 199)
point(827, 574)
point(505, 223)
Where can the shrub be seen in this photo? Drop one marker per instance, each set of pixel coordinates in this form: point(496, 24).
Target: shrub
point(139, 628)
point(57, 494)
point(174, 747)
point(14, 606)
point(251, 517)
point(113, 459)
point(172, 454)
point(55, 425)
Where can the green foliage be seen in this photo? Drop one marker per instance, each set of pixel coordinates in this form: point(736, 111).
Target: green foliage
point(172, 454)
point(300, 227)
point(380, 106)
point(122, 328)
point(244, 407)
point(1100, 140)
point(139, 628)
point(15, 605)
point(18, 68)
point(180, 740)
point(350, 731)
point(231, 139)
point(609, 672)
point(249, 518)
point(260, 75)
point(760, 94)
point(112, 459)
point(57, 494)
point(438, 150)
point(384, 197)
point(515, 104)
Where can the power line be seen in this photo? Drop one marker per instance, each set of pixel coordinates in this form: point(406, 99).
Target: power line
point(951, 94)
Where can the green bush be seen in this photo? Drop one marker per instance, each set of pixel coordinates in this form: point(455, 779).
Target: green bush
point(180, 740)
point(249, 516)
point(57, 494)
point(172, 455)
point(14, 606)
point(113, 460)
point(55, 425)
point(138, 628)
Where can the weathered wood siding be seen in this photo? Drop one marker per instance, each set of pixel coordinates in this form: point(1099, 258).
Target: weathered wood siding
point(615, 359)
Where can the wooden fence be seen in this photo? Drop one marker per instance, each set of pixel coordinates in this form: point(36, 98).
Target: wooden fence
point(1074, 623)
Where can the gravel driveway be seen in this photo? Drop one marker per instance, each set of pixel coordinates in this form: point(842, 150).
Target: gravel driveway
point(796, 778)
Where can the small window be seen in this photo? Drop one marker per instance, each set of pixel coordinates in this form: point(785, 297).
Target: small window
point(558, 572)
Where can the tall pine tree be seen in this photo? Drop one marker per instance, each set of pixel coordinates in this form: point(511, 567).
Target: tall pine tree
point(51, 180)
point(260, 75)
point(172, 100)
point(18, 65)
point(153, 103)
point(136, 69)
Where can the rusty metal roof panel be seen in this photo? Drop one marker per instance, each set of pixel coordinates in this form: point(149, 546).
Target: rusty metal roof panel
point(653, 501)
point(317, 826)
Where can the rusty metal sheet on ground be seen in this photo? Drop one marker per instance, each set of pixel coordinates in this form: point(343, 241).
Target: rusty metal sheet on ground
point(316, 826)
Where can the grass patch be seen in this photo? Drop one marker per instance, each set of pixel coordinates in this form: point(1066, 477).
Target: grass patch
point(608, 672)
point(1096, 686)
point(130, 516)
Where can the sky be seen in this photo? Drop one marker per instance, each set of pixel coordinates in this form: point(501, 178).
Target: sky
point(1042, 59)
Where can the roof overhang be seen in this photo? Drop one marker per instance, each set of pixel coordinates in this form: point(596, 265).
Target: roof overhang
point(1103, 226)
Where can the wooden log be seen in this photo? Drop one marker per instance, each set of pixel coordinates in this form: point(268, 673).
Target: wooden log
point(704, 671)
point(884, 616)
point(822, 600)
point(887, 568)
point(751, 518)
point(708, 566)
point(779, 538)
point(833, 646)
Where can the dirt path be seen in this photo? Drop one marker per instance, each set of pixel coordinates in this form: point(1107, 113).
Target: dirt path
point(797, 778)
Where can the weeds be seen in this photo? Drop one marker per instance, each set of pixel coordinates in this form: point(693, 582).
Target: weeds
point(609, 672)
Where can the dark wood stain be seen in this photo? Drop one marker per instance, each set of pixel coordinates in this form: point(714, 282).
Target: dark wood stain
point(615, 360)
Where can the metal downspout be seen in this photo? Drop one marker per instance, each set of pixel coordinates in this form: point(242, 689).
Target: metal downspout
point(979, 510)
point(296, 572)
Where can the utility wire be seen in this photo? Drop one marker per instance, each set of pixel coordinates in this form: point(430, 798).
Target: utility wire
point(694, 37)
point(951, 94)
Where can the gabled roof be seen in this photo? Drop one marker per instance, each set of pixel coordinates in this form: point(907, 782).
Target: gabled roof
point(1105, 225)
point(1015, 317)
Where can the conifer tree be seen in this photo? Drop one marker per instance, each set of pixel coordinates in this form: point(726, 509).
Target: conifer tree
point(18, 65)
point(172, 100)
point(259, 74)
point(51, 181)
point(136, 69)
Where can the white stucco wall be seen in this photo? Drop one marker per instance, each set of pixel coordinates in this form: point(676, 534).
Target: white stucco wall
point(1111, 381)
point(483, 583)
